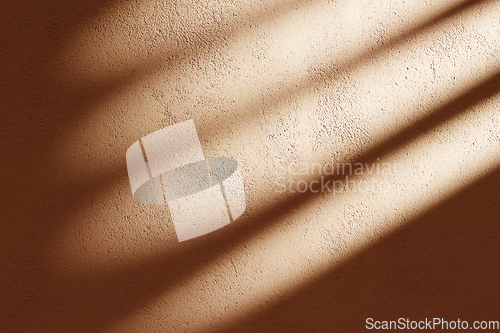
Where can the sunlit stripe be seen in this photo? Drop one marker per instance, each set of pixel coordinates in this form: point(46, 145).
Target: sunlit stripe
point(435, 172)
point(297, 248)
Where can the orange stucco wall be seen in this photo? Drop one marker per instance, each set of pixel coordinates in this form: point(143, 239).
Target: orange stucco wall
point(289, 89)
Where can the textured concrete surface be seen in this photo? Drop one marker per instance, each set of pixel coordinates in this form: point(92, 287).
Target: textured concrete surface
point(289, 89)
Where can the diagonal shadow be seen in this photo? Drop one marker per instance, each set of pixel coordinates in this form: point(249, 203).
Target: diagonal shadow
point(36, 32)
point(197, 46)
point(280, 95)
point(31, 53)
point(404, 136)
point(83, 99)
point(123, 290)
point(34, 227)
point(40, 110)
point(34, 161)
point(443, 264)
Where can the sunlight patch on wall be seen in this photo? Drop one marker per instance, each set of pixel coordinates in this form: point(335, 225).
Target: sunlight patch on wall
point(434, 168)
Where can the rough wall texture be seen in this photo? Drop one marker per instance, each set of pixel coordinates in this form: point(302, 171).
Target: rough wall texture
point(290, 89)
